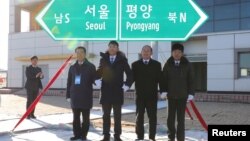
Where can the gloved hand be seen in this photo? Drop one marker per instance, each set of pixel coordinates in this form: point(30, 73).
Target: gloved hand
point(190, 97)
point(164, 95)
point(125, 88)
point(68, 100)
point(98, 83)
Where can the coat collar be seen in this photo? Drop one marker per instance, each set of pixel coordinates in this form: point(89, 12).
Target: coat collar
point(119, 56)
point(149, 61)
point(84, 63)
point(183, 60)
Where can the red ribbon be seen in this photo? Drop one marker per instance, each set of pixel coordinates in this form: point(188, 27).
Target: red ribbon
point(198, 115)
point(32, 106)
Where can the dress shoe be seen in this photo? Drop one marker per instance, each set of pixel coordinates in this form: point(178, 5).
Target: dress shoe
point(117, 138)
point(75, 138)
point(33, 116)
point(84, 138)
point(106, 138)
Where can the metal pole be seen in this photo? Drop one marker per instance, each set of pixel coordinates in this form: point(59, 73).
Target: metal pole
point(154, 45)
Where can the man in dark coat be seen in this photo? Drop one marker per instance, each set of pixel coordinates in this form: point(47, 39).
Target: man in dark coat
point(33, 84)
point(179, 83)
point(147, 76)
point(81, 76)
point(113, 64)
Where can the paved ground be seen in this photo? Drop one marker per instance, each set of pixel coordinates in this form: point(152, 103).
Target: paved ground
point(94, 135)
point(13, 106)
point(213, 113)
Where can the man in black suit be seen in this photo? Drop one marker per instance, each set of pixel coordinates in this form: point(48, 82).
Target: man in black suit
point(147, 76)
point(178, 81)
point(81, 76)
point(113, 65)
point(33, 84)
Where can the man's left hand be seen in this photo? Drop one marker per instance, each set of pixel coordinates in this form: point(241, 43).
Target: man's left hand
point(68, 100)
point(125, 88)
point(41, 75)
point(190, 97)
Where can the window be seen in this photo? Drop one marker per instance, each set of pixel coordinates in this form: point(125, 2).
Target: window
point(231, 11)
point(245, 24)
point(204, 2)
point(244, 64)
point(245, 10)
point(207, 27)
point(25, 21)
point(223, 2)
point(227, 25)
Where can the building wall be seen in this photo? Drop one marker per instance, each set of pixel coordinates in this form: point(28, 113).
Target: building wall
point(222, 65)
point(220, 48)
point(39, 43)
point(225, 15)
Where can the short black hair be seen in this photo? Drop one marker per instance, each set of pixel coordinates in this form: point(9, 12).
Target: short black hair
point(114, 43)
point(177, 46)
point(81, 47)
point(34, 57)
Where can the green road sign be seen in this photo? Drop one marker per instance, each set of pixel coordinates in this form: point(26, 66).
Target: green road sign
point(80, 19)
point(121, 19)
point(159, 19)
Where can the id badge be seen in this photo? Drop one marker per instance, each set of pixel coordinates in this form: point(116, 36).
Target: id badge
point(77, 79)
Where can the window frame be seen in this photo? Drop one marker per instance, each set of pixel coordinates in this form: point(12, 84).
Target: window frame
point(238, 52)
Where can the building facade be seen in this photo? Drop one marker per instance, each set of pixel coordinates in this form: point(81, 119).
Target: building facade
point(219, 50)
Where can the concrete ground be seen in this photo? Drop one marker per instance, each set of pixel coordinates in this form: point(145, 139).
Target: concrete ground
point(213, 113)
point(13, 106)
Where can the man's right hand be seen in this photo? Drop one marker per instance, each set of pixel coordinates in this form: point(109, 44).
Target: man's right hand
point(164, 95)
point(68, 99)
point(41, 75)
point(98, 83)
point(38, 74)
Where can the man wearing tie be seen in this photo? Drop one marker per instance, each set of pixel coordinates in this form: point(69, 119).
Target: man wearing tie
point(81, 76)
point(147, 77)
point(113, 64)
point(33, 84)
point(179, 83)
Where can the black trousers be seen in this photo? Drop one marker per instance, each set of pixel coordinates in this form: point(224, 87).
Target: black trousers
point(31, 96)
point(81, 130)
point(176, 107)
point(107, 120)
point(151, 108)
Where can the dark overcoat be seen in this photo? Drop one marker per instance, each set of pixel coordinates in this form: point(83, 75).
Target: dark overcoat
point(113, 78)
point(81, 95)
point(147, 78)
point(178, 80)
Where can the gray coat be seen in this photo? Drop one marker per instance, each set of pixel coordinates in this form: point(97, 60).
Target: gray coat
point(81, 95)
